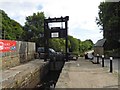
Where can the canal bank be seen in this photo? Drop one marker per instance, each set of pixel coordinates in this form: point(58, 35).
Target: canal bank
point(27, 75)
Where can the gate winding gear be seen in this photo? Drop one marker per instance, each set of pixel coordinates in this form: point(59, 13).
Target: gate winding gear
point(60, 32)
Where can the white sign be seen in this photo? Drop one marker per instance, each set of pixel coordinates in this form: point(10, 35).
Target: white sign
point(56, 34)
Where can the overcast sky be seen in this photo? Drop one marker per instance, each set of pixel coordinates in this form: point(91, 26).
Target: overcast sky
point(82, 14)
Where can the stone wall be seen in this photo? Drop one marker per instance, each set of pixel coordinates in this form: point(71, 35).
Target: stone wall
point(24, 52)
point(24, 76)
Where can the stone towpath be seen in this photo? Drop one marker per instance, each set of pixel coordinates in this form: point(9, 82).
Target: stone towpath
point(84, 74)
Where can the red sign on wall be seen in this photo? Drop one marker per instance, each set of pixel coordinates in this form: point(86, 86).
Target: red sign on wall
point(7, 45)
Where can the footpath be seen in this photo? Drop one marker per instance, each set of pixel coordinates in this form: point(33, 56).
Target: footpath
point(84, 74)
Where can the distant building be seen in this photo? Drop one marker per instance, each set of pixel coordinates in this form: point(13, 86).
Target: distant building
point(99, 47)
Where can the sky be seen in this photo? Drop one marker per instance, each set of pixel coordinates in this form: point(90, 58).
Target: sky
point(82, 14)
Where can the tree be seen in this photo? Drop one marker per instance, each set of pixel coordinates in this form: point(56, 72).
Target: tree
point(109, 20)
point(74, 44)
point(86, 45)
point(11, 29)
point(34, 28)
point(58, 44)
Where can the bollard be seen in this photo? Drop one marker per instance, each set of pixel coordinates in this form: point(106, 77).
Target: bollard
point(111, 68)
point(102, 60)
point(97, 58)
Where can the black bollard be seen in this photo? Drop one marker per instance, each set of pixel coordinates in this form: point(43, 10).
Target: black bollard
point(97, 58)
point(102, 60)
point(111, 67)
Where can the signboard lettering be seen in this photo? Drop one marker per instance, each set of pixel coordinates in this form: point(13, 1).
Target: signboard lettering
point(7, 45)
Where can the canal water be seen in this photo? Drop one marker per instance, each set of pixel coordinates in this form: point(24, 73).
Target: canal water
point(49, 80)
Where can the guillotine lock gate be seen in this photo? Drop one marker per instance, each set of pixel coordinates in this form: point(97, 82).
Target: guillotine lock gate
point(55, 32)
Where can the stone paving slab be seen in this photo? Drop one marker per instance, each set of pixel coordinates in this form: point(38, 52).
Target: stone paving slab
point(84, 74)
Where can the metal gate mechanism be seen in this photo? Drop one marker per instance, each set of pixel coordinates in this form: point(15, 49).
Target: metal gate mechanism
point(55, 32)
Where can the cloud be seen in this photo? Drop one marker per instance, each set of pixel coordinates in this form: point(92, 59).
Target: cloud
point(20, 9)
point(81, 13)
point(84, 34)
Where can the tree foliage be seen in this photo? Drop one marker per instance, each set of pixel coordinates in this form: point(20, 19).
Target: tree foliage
point(86, 45)
point(74, 44)
point(11, 29)
point(34, 28)
point(109, 19)
point(57, 44)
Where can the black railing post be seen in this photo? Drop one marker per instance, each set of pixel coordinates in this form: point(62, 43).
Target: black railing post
point(111, 66)
point(102, 60)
